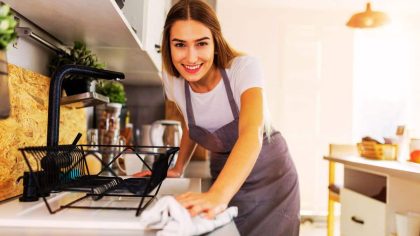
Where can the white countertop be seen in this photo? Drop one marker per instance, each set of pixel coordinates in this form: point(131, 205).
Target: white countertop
point(15, 216)
point(406, 170)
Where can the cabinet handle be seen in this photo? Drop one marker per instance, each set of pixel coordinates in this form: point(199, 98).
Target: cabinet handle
point(157, 48)
point(354, 218)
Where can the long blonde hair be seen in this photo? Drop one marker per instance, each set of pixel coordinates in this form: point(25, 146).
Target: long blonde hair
point(199, 11)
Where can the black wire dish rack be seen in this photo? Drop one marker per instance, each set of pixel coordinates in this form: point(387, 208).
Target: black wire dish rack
point(64, 168)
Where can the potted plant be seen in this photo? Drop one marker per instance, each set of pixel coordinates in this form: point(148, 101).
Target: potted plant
point(115, 92)
point(7, 26)
point(7, 35)
point(112, 89)
point(79, 55)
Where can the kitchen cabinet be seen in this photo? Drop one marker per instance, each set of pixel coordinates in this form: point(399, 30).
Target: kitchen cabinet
point(361, 214)
point(147, 17)
point(374, 191)
point(106, 30)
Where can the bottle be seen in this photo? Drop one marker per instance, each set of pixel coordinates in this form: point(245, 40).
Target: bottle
point(93, 157)
point(127, 132)
point(403, 141)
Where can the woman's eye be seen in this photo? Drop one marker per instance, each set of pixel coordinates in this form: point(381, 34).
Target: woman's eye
point(179, 45)
point(201, 44)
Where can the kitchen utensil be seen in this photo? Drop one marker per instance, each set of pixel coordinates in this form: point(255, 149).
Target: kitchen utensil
point(31, 192)
point(166, 133)
point(109, 131)
point(129, 163)
point(55, 161)
point(144, 140)
point(93, 157)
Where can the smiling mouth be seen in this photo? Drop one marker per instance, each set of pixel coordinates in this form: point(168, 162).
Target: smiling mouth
point(192, 69)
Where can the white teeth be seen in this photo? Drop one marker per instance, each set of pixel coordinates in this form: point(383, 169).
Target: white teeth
point(192, 67)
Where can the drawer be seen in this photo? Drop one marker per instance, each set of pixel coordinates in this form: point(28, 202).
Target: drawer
point(361, 215)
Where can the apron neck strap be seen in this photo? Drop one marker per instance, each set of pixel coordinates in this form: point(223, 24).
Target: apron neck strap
point(233, 105)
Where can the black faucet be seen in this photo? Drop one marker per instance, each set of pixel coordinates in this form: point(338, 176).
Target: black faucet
point(55, 94)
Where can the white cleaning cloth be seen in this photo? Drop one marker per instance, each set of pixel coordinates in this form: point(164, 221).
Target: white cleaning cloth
point(171, 218)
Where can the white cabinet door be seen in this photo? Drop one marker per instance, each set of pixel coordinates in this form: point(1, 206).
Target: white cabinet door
point(361, 215)
point(155, 14)
point(134, 12)
point(147, 18)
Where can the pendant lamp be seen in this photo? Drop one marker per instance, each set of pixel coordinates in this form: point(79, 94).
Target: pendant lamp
point(368, 19)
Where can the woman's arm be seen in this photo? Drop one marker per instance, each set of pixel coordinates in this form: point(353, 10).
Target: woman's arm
point(240, 161)
point(247, 148)
point(186, 149)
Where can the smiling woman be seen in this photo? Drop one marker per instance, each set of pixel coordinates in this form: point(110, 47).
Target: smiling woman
point(192, 53)
point(220, 94)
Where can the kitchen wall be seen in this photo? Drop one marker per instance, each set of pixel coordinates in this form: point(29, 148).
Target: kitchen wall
point(27, 125)
point(386, 79)
point(327, 83)
point(307, 56)
point(146, 104)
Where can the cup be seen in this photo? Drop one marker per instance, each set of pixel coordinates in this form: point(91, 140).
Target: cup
point(129, 164)
point(408, 224)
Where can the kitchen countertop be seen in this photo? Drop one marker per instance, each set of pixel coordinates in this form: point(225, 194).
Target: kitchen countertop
point(16, 218)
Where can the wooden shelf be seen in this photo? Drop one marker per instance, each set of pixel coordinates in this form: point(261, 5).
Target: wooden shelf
point(102, 26)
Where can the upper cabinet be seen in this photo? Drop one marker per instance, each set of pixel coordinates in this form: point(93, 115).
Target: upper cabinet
point(124, 38)
point(148, 25)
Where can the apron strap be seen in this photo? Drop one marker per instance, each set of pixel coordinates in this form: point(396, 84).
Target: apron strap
point(190, 113)
point(233, 105)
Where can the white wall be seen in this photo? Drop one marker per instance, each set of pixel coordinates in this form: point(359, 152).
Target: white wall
point(387, 79)
point(307, 57)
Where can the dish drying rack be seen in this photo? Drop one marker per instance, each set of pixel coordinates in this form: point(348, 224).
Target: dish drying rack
point(64, 168)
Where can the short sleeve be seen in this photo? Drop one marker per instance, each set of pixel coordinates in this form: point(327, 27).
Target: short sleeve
point(248, 73)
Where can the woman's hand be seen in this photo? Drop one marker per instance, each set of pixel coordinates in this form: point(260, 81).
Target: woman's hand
point(207, 204)
point(172, 173)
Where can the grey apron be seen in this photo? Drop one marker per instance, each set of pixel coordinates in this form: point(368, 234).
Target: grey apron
point(269, 200)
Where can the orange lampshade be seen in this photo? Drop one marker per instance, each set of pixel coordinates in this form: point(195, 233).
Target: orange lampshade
point(368, 19)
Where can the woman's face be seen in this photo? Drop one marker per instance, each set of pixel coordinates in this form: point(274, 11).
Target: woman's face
point(192, 49)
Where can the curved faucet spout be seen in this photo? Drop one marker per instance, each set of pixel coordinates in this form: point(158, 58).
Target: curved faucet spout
point(55, 94)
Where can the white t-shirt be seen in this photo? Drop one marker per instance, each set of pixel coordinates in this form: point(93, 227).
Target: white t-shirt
point(211, 109)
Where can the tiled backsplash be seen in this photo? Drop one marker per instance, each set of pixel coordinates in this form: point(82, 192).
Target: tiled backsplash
point(27, 125)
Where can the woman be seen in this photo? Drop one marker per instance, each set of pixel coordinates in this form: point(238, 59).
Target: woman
point(220, 95)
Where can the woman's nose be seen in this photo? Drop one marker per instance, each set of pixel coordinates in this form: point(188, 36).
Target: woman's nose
point(192, 55)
